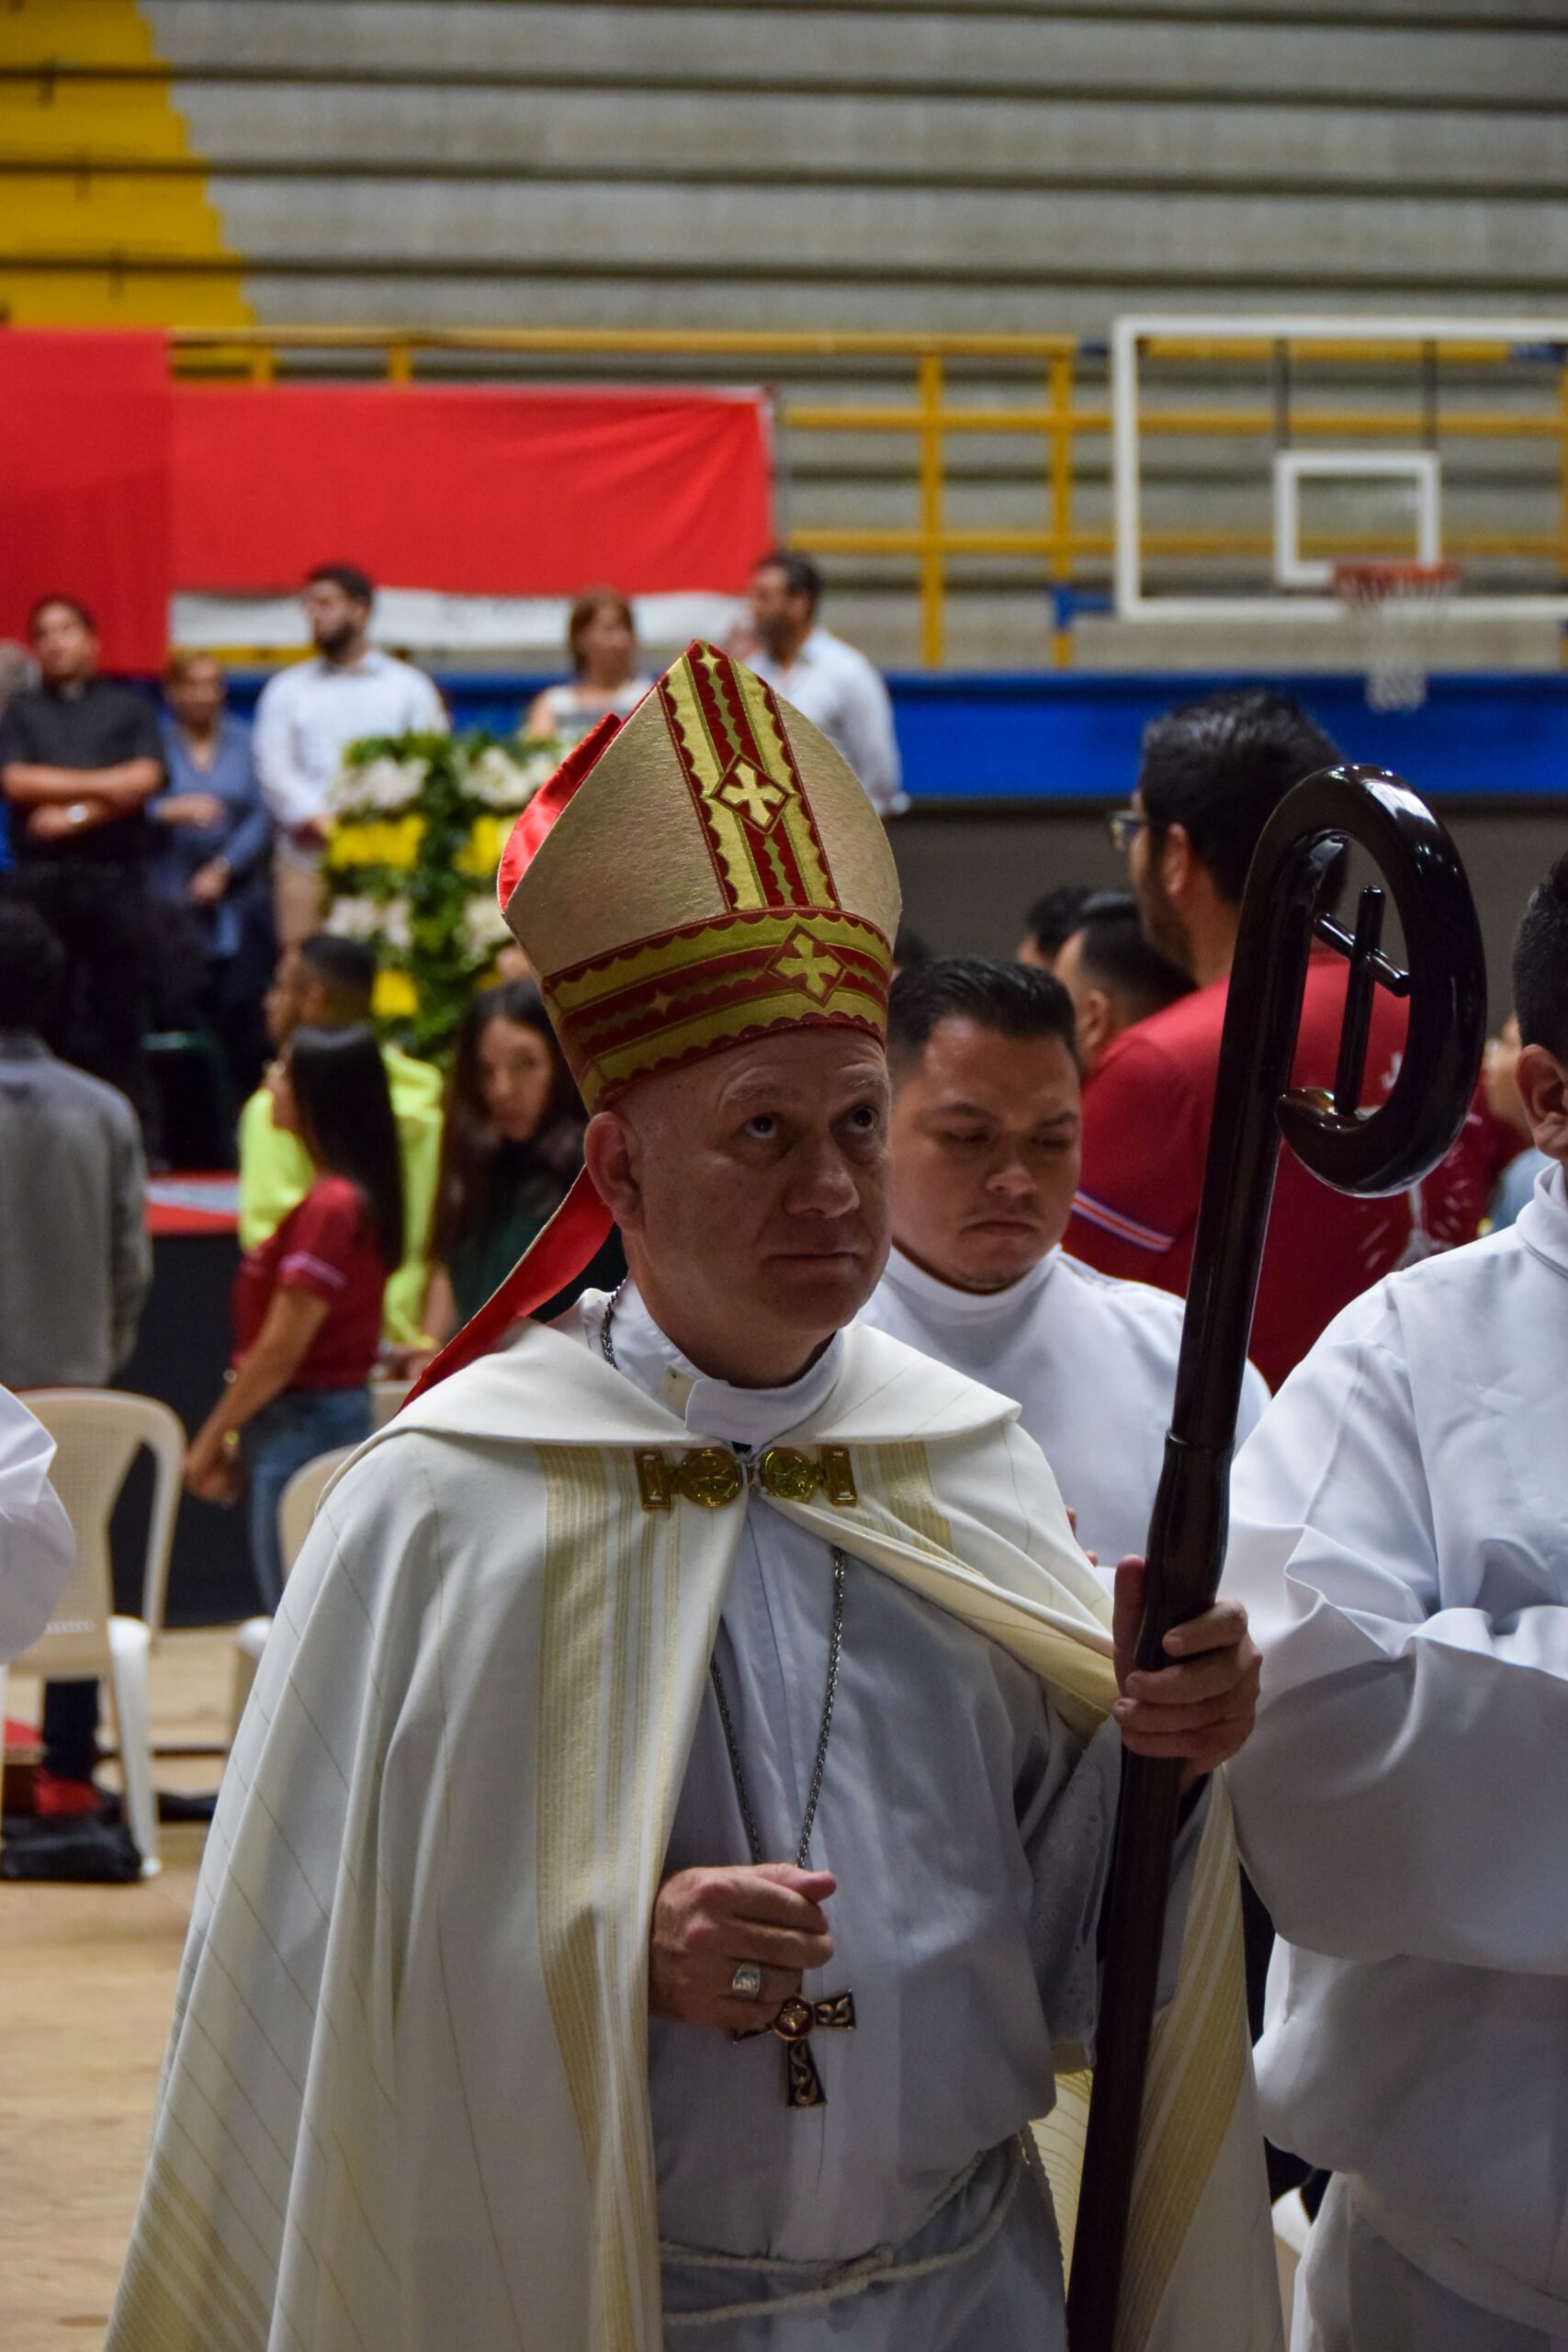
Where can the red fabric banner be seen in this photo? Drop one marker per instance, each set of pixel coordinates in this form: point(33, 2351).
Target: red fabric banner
point(85, 486)
point(467, 490)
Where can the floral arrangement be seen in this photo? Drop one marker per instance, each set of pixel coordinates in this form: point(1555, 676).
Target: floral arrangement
point(418, 826)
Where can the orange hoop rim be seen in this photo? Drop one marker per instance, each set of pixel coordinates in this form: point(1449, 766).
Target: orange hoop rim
point(1367, 580)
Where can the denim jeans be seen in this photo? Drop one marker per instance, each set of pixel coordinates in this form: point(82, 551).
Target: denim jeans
point(283, 1437)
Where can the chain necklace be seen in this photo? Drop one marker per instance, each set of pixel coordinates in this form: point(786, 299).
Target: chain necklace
point(795, 2019)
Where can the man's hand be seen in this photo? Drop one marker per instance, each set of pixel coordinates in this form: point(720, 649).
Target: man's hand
point(50, 822)
point(1203, 1705)
point(707, 1921)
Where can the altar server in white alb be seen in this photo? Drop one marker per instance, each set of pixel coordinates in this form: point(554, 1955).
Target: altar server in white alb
point(1400, 1536)
point(38, 1550)
point(655, 1884)
point(985, 1133)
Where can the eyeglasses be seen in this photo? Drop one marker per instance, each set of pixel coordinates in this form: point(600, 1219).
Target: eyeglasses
point(1122, 825)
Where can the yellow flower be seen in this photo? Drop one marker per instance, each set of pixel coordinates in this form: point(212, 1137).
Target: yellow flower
point(486, 843)
point(394, 997)
point(393, 842)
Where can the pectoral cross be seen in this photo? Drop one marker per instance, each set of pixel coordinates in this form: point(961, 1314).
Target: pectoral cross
point(794, 2025)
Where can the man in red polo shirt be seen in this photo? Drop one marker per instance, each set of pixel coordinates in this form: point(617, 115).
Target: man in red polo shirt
point(1213, 772)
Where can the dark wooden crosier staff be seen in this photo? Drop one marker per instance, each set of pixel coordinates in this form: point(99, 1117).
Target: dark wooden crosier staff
point(1377, 1151)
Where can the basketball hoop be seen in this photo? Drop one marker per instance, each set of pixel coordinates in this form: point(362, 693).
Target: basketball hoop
point(1395, 609)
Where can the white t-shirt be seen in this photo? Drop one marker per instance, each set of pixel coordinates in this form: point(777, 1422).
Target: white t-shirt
point(1091, 1363)
point(839, 692)
point(308, 714)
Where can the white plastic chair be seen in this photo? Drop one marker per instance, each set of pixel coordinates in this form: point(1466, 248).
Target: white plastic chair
point(296, 1510)
point(99, 1433)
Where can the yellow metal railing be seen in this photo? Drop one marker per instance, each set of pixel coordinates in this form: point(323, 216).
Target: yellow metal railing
point(1073, 410)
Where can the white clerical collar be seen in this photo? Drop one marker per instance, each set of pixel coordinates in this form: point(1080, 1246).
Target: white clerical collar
point(711, 1409)
point(1542, 1223)
point(972, 1308)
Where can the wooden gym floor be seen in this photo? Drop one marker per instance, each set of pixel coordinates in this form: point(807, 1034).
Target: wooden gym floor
point(86, 1990)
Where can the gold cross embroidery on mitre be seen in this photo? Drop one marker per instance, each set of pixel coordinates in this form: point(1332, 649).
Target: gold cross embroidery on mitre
point(816, 969)
point(756, 798)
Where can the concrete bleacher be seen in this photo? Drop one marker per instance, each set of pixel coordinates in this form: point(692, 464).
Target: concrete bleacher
point(1008, 166)
point(995, 164)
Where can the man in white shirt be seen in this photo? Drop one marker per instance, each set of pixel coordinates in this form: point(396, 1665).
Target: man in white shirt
point(309, 713)
point(984, 1138)
point(1400, 1536)
point(836, 687)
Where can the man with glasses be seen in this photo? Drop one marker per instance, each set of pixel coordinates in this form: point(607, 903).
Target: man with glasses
point(1212, 774)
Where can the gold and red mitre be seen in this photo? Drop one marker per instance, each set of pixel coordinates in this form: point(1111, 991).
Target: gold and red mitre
point(709, 872)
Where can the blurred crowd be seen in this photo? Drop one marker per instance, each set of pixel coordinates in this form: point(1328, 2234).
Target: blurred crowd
point(163, 877)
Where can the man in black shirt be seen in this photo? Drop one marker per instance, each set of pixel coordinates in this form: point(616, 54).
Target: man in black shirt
point(79, 757)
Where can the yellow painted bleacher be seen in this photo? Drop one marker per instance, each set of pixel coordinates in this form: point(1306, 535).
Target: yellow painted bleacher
point(105, 219)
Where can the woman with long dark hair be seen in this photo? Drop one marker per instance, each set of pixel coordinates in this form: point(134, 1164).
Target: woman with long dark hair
point(307, 1302)
point(511, 1147)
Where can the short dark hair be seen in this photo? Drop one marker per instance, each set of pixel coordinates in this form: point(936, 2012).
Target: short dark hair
point(32, 965)
point(346, 576)
point(802, 577)
point(346, 1122)
point(346, 965)
point(1540, 965)
point(73, 605)
point(1220, 768)
point(1053, 920)
point(1115, 955)
point(1019, 1000)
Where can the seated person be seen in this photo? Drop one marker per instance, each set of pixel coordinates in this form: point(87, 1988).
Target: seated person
point(327, 983)
point(602, 639)
point(984, 1136)
point(511, 1147)
point(209, 858)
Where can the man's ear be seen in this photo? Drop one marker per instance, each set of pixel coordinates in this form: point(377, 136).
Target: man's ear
point(1543, 1082)
point(1096, 1026)
point(612, 1153)
point(1177, 862)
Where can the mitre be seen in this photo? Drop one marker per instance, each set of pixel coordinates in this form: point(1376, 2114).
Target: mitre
point(708, 872)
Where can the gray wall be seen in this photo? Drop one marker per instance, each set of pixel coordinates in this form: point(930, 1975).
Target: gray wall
point(967, 879)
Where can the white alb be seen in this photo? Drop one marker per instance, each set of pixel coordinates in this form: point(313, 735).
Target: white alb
point(1400, 1537)
point(1091, 1364)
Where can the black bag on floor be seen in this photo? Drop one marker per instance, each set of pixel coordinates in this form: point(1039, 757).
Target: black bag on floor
point(80, 1848)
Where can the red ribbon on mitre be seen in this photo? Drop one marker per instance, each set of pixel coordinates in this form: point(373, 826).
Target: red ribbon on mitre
point(581, 1227)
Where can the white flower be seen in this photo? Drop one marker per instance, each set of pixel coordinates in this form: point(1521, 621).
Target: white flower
point(484, 925)
point(386, 922)
point(382, 786)
point(500, 780)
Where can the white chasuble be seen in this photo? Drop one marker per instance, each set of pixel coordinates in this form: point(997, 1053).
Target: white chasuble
point(1400, 1537)
point(412, 2099)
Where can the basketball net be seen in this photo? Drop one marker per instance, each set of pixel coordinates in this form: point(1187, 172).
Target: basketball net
point(1395, 609)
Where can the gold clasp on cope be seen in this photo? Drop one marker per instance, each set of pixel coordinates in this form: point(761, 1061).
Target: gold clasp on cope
point(795, 1476)
point(707, 1476)
point(710, 1477)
